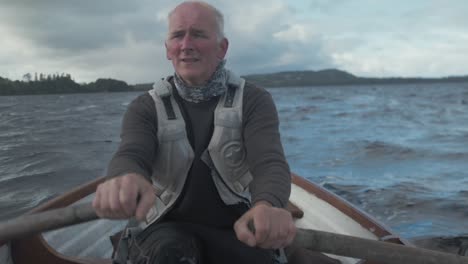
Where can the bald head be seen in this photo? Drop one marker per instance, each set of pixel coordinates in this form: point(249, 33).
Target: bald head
point(216, 14)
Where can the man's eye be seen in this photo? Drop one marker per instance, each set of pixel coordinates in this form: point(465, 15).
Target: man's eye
point(198, 35)
point(177, 36)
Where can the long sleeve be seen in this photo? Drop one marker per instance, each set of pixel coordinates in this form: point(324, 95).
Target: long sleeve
point(139, 142)
point(265, 155)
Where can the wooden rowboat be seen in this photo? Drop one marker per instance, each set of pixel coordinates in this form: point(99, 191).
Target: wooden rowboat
point(312, 206)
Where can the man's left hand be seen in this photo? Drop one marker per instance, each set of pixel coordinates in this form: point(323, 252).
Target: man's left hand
point(274, 227)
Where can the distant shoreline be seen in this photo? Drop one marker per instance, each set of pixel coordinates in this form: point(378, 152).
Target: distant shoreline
point(65, 85)
point(337, 77)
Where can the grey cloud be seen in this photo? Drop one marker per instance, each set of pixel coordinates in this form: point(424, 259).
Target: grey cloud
point(85, 7)
point(261, 55)
point(125, 39)
point(94, 34)
point(77, 26)
point(260, 51)
point(446, 14)
point(324, 6)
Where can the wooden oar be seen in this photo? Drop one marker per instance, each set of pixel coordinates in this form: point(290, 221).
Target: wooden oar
point(361, 248)
point(30, 224)
point(337, 244)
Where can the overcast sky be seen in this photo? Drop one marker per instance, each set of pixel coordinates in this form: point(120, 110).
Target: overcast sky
point(124, 39)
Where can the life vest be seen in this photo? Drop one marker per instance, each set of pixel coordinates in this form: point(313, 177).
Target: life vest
point(225, 154)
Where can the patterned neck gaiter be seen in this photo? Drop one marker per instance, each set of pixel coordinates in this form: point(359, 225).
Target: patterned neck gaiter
point(215, 86)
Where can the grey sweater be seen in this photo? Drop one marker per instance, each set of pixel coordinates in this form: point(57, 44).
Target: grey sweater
point(200, 203)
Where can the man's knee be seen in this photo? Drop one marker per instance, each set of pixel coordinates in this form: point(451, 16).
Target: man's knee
point(177, 247)
point(168, 243)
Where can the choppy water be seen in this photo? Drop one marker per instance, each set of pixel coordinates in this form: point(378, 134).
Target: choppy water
point(398, 152)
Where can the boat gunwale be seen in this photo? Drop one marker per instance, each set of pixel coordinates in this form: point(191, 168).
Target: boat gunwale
point(367, 221)
point(38, 247)
point(364, 219)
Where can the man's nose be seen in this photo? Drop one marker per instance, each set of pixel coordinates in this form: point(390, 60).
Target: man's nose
point(187, 43)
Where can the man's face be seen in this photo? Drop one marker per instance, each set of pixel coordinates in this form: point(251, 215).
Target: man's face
point(192, 44)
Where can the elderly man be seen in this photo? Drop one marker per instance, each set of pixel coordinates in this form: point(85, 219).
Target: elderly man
point(200, 158)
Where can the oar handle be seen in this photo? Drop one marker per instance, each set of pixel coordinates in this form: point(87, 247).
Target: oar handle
point(30, 224)
point(361, 248)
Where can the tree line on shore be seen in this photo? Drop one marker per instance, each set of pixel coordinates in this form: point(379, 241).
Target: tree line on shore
point(59, 84)
point(64, 83)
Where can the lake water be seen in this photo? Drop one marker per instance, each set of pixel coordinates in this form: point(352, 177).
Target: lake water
point(399, 152)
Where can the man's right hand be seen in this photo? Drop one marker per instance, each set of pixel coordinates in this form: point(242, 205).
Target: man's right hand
point(124, 197)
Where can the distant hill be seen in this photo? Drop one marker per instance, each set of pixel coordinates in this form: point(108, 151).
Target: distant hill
point(324, 77)
point(334, 77)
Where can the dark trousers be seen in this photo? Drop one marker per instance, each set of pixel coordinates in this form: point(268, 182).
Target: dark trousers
point(171, 242)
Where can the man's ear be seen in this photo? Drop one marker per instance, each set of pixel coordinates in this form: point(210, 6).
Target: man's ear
point(167, 51)
point(223, 47)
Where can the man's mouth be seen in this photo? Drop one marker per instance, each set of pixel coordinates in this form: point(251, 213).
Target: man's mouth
point(189, 60)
